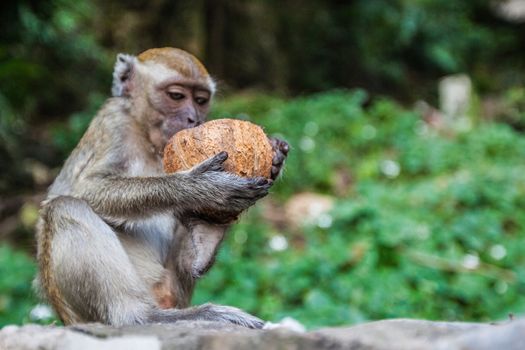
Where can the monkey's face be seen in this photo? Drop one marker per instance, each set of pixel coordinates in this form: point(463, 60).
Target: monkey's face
point(185, 105)
point(177, 94)
point(176, 105)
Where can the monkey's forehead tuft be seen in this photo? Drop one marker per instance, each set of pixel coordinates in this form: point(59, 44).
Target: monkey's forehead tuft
point(183, 62)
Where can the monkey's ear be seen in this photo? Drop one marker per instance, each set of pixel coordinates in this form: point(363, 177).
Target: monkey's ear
point(122, 73)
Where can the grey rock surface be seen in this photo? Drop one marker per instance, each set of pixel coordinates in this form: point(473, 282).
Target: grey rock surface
point(394, 334)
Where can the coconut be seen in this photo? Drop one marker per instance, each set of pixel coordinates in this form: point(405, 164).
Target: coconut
point(249, 150)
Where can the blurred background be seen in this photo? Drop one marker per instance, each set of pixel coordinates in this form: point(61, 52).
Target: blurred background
point(404, 191)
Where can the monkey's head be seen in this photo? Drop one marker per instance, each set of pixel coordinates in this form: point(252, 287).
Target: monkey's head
point(169, 90)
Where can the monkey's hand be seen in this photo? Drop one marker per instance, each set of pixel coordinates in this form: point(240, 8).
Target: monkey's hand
point(280, 152)
point(218, 196)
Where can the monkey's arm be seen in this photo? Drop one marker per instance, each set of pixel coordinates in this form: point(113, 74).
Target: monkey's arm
point(205, 191)
point(120, 196)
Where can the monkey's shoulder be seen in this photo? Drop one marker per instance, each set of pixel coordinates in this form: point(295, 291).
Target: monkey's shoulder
point(110, 124)
point(107, 147)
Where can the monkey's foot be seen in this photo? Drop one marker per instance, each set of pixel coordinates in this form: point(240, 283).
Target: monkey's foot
point(230, 314)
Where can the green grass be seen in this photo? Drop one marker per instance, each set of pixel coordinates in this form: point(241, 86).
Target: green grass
point(16, 275)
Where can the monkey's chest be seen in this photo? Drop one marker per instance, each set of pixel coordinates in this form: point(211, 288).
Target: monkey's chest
point(156, 231)
point(147, 243)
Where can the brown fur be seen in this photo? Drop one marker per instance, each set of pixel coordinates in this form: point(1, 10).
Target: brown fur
point(179, 60)
point(46, 277)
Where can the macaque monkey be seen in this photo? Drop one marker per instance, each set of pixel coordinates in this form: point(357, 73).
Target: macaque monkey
point(119, 241)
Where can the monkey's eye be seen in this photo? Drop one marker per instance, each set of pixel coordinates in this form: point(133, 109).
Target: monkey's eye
point(176, 96)
point(201, 100)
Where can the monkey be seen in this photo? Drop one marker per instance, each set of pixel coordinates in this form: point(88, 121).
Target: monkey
point(119, 241)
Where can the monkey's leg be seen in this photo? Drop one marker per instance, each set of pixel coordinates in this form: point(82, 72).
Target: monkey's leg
point(192, 253)
point(88, 276)
point(205, 239)
point(85, 272)
point(193, 250)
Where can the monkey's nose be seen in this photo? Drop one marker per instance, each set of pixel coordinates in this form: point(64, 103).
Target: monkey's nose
point(191, 120)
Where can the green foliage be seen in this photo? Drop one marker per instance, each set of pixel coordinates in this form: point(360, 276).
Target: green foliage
point(430, 227)
point(66, 136)
point(425, 31)
point(50, 66)
point(513, 108)
point(399, 46)
point(16, 297)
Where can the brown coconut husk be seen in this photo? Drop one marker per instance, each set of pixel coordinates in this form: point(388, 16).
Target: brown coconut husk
point(249, 150)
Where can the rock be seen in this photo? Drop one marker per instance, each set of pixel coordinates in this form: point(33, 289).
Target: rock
point(511, 10)
point(308, 208)
point(454, 97)
point(399, 334)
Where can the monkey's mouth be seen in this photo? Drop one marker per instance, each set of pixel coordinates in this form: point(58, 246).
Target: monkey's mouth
point(169, 130)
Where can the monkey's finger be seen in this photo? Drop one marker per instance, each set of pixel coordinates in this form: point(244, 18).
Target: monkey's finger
point(214, 163)
point(278, 161)
point(258, 188)
point(276, 170)
point(278, 158)
point(279, 145)
point(261, 181)
point(219, 157)
point(250, 195)
point(284, 147)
